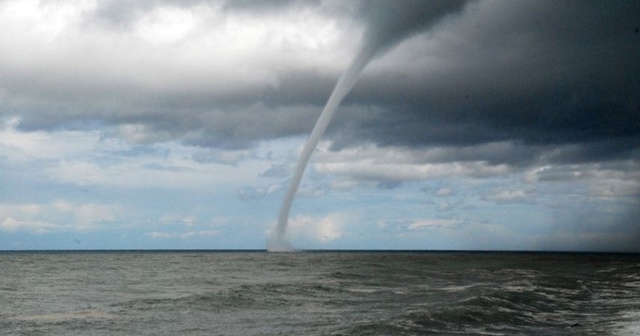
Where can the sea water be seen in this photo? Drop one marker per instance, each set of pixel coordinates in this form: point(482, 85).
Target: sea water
point(318, 293)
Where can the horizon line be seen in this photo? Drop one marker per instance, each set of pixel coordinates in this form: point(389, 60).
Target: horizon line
point(143, 250)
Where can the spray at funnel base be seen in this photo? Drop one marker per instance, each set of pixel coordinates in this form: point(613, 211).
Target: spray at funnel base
point(278, 242)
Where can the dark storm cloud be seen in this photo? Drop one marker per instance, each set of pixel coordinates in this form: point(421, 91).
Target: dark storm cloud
point(542, 74)
point(550, 81)
point(388, 23)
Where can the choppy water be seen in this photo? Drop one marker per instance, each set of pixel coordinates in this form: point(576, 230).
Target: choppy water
point(328, 293)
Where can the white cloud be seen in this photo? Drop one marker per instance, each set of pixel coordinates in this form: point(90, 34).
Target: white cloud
point(227, 157)
point(166, 25)
point(322, 230)
point(444, 206)
point(182, 235)
point(609, 184)
point(510, 195)
point(24, 146)
point(179, 219)
point(141, 134)
point(56, 216)
point(112, 162)
point(253, 193)
point(444, 192)
point(166, 48)
point(435, 223)
point(616, 179)
point(392, 164)
point(346, 184)
point(133, 173)
point(11, 224)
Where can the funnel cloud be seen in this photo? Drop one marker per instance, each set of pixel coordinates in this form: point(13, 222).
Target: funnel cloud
point(389, 23)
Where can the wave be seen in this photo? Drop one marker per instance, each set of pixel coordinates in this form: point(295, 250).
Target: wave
point(63, 316)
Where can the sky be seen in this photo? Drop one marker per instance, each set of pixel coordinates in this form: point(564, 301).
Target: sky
point(165, 124)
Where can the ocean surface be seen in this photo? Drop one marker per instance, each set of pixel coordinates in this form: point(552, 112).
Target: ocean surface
point(318, 293)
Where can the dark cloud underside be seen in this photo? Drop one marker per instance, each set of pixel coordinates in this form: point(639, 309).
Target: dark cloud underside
point(540, 75)
point(543, 73)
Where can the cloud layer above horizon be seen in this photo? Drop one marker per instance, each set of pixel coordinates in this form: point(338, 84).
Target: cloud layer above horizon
point(170, 121)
